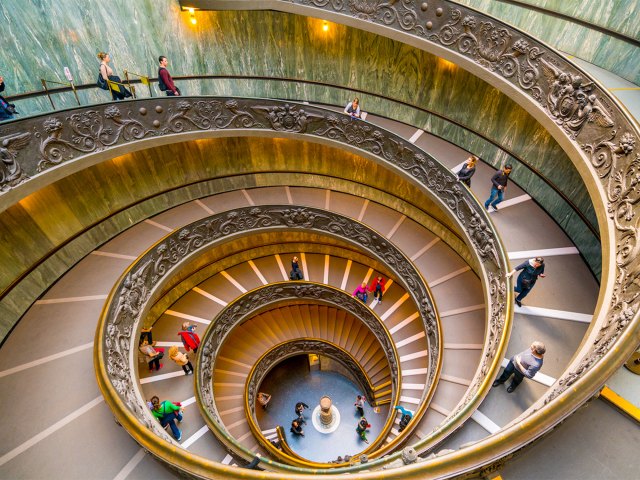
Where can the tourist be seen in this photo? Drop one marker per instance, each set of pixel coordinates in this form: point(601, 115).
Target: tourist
point(146, 333)
point(181, 359)
point(362, 428)
point(296, 428)
point(264, 399)
point(498, 186)
point(190, 339)
point(296, 273)
point(118, 91)
point(524, 364)
point(359, 404)
point(168, 412)
point(153, 355)
point(467, 170)
point(361, 292)
point(353, 108)
point(406, 417)
point(300, 406)
point(531, 270)
point(165, 81)
point(7, 110)
point(377, 287)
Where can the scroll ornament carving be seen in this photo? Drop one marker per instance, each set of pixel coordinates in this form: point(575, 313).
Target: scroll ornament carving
point(623, 193)
point(288, 117)
point(11, 173)
point(208, 115)
point(251, 303)
point(90, 131)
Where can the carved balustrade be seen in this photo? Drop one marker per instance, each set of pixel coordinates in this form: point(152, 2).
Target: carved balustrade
point(597, 133)
point(270, 296)
point(90, 134)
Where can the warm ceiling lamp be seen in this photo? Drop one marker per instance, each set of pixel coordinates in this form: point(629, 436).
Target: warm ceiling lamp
point(325, 26)
point(192, 14)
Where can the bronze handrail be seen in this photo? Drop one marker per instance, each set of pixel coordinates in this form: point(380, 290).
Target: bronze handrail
point(593, 229)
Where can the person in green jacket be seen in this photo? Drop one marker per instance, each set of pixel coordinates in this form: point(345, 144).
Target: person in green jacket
point(167, 412)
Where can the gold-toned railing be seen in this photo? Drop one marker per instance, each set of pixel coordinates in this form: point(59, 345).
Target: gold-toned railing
point(598, 134)
point(303, 346)
point(189, 118)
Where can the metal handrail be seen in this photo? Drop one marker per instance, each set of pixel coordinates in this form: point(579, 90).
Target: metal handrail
point(90, 86)
point(246, 116)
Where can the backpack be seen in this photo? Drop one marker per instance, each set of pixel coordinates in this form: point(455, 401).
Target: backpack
point(102, 83)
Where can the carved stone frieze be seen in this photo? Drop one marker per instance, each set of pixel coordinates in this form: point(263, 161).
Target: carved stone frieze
point(11, 173)
point(132, 294)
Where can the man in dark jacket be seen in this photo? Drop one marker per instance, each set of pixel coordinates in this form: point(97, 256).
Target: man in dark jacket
point(531, 270)
point(7, 110)
point(498, 186)
point(165, 82)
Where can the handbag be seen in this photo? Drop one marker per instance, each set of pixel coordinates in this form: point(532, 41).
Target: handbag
point(101, 83)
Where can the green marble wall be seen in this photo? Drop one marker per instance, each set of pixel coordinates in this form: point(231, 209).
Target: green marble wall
point(46, 35)
point(610, 53)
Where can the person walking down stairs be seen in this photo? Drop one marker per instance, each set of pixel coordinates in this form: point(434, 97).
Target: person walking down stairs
point(181, 359)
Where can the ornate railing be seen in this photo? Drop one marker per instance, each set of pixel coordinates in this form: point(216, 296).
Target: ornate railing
point(304, 346)
point(597, 133)
point(270, 296)
point(91, 134)
point(134, 293)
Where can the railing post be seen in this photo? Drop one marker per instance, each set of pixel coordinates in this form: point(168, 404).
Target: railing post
point(44, 84)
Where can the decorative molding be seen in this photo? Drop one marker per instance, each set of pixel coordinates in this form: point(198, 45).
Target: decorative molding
point(255, 301)
point(135, 120)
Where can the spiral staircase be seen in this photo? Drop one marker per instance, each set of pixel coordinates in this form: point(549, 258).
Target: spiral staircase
point(211, 243)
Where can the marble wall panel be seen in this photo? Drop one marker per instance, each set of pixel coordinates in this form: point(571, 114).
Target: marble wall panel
point(614, 54)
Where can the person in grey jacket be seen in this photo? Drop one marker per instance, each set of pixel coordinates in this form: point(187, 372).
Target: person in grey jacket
point(524, 364)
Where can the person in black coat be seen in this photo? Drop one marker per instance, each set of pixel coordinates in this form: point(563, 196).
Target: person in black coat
point(467, 170)
point(531, 270)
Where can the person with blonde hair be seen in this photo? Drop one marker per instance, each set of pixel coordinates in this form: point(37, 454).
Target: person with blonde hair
point(181, 359)
point(119, 92)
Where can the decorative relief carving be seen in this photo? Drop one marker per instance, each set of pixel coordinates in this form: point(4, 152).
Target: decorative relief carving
point(11, 173)
point(88, 131)
point(135, 290)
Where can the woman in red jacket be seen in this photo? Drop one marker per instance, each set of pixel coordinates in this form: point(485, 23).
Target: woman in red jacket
point(190, 339)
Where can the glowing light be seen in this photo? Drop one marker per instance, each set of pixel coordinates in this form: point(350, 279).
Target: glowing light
point(191, 10)
point(193, 20)
point(325, 26)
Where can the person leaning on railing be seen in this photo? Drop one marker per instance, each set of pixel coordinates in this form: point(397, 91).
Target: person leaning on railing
point(165, 81)
point(118, 90)
point(7, 110)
